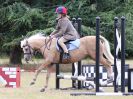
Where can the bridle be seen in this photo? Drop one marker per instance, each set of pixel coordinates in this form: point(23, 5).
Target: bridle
point(30, 49)
point(47, 45)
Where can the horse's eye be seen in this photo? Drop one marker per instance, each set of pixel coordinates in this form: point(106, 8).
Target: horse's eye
point(26, 49)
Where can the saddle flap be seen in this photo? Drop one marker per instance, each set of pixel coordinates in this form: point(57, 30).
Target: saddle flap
point(71, 45)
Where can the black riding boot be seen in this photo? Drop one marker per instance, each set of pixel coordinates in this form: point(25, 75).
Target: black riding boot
point(66, 56)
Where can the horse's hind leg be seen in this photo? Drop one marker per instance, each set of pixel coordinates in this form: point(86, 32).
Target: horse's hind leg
point(107, 65)
point(104, 62)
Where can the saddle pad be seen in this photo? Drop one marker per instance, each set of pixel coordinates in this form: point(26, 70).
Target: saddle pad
point(72, 45)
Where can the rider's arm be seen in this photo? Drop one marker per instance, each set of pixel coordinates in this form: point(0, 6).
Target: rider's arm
point(54, 32)
point(63, 26)
point(56, 29)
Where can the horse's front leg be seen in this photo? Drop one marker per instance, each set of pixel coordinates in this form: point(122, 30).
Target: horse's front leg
point(38, 71)
point(49, 70)
point(36, 74)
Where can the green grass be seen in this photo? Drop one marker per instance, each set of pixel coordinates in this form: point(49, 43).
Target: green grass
point(32, 92)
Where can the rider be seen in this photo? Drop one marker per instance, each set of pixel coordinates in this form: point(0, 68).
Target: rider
point(64, 30)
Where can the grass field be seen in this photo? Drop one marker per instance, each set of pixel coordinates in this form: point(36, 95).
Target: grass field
point(33, 92)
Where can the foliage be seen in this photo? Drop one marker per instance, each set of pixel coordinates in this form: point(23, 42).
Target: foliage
point(45, 32)
point(16, 19)
point(26, 17)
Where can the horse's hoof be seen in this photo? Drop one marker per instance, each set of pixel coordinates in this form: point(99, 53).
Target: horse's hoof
point(110, 80)
point(32, 83)
point(101, 89)
point(90, 87)
point(76, 85)
point(42, 90)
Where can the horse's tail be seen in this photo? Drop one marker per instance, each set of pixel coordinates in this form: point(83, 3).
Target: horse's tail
point(107, 51)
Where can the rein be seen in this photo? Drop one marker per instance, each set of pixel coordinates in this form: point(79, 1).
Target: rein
point(47, 44)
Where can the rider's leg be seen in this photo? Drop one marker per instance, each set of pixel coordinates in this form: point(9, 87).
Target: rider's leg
point(61, 42)
point(66, 54)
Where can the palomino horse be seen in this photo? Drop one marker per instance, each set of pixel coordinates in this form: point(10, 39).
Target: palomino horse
point(47, 47)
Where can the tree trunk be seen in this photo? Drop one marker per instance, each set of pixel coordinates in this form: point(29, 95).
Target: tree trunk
point(15, 55)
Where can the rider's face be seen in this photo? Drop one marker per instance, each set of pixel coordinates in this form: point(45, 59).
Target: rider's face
point(58, 15)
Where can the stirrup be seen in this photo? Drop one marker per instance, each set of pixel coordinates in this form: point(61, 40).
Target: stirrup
point(66, 56)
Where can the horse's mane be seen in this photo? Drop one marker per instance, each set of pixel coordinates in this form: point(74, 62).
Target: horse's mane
point(36, 36)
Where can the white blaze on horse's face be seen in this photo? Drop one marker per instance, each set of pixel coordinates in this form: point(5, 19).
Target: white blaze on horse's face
point(27, 49)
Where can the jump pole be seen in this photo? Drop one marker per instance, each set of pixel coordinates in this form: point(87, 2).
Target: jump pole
point(79, 62)
point(122, 54)
point(80, 78)
point(97, 52)
point(115, 55)
point(57, 79)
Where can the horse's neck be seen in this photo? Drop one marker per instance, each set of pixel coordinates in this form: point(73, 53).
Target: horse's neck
point(37, 43)
point(40, 43)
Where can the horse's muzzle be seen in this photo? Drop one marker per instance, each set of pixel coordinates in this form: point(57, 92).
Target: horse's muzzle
point(27, 58)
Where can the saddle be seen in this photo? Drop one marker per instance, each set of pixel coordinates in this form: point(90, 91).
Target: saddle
point(71, 45)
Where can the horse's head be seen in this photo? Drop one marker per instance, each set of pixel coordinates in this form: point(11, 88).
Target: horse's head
point(37, 42)
point(27, 49)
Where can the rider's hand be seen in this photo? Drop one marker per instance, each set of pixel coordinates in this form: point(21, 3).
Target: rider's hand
point(52, 36)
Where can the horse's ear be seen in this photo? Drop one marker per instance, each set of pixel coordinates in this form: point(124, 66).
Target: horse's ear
point(26, 41)
point(24, 37)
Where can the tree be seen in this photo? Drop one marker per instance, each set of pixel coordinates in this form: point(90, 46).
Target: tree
point(17, 19)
